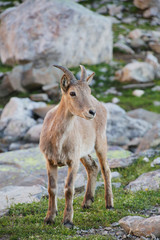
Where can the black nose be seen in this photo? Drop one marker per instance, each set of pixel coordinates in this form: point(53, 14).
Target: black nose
point(92, 112)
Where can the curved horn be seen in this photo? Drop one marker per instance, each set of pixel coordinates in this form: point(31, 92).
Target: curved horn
point(83, 73)
point(66, 71)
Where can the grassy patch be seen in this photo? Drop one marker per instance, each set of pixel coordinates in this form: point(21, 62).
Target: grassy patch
point(5, 68)
point(25, 221)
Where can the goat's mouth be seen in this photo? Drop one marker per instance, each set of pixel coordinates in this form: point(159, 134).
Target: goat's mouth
point(89, 117)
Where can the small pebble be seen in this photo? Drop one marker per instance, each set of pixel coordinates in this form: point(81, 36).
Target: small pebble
point(115, 224)
point(104, 233)
point(138, 93)
point(115, 100)
point(146, 159)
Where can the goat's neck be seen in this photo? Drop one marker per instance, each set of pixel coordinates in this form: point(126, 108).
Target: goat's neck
point(64, 118)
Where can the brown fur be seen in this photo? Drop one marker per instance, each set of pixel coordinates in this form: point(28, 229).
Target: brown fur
point(70, 133)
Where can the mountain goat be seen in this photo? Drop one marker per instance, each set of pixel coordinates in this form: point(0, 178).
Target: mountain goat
point(70, 132)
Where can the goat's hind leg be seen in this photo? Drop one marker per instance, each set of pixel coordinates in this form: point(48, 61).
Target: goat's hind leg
point(92, 171)
point(52, 190)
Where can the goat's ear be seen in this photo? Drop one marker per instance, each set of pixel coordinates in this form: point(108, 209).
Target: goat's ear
point(65, 82)
point(89, 78)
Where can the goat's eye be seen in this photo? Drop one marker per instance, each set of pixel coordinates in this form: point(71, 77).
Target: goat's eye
point(72, 94)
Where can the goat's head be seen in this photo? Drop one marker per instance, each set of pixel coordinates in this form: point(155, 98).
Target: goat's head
point(77, 93)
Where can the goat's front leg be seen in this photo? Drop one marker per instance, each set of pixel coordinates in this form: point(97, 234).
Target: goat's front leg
point(52, 190)
point(92, 171)
point(69, 192)
point(101, 151)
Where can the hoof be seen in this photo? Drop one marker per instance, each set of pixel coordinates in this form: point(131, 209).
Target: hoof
point(69, 225)
point(49, 220)
point(110, 208)
point(87, 204)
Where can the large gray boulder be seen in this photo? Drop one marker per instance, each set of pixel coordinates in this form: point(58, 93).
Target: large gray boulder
point(122, 128)
point(54, 31)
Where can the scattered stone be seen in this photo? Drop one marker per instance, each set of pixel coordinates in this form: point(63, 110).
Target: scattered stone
point(115, 224)
point(4, 4)
point(136, 71)
point(156, 103)
point(115, 175)
point(15, 78)
point(147, 181)
point(138, 92)
point(135, 34)
point(43, 45)
point(150, 153)
point(103, 78)
point(146, 159)
point(6, 87)
point(103, 69)
point(122, 128)
point(132, 144)
point(42, 111)
point(102, 10)
point(142, 4)
point(155, 46)
point(150, 137)
point(143, 114)
point(100, 84)
point(129, 20)
point(156, 161)
point(137, 43)
point(52, 90)
point(156, 88)
point(11, 82)
point(20, 145)
point(19, 108)
point(113, 91)
point(116, 184)
point(18, 127)
point(151, 12)
point(104, 233)
point(140, 226)
point(151, 59)
point(36, 77)
point(122, 162)
point(115, 100)
point(123, 47)
point(16, 117)
point(39, 97)
point(114, 10)
point(33, 134)
point(138, 85)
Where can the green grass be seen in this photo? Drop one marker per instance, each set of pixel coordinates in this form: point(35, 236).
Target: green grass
point(4, 68)
point(25, 221)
